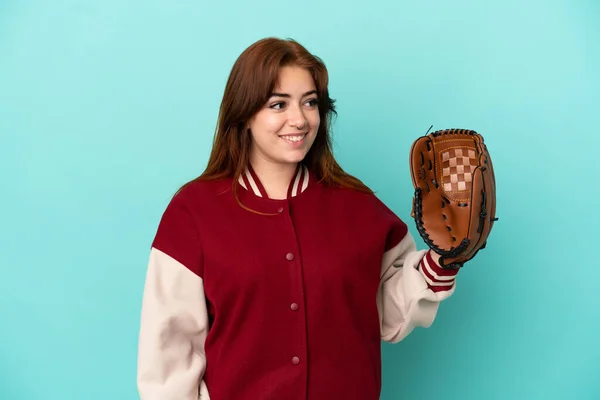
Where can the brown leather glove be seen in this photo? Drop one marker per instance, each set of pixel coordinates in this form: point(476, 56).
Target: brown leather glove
point(454, 204)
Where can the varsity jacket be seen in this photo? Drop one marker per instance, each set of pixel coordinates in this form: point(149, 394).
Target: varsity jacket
point(291, 302)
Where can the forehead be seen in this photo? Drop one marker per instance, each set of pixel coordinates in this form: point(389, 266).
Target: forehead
point(293, 79)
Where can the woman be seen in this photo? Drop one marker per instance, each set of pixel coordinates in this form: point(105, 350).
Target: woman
point(274, 275)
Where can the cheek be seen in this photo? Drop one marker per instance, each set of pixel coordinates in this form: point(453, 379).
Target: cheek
point(266, 125)
point(272, 124)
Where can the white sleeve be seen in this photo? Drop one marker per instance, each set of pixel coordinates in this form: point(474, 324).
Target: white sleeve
point(173, 328)
point(411, 288)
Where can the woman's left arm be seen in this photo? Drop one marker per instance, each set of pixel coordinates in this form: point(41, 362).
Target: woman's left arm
point(412, 286)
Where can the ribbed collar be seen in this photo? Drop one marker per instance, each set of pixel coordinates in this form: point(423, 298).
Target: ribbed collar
point(250, 181)
point(252, 193)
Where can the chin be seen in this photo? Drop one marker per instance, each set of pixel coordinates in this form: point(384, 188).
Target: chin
point(294, 154)
point(293, 159)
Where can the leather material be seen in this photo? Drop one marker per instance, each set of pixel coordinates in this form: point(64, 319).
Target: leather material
point(454, 204)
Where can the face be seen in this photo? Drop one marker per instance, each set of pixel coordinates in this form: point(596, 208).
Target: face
point(285, 128)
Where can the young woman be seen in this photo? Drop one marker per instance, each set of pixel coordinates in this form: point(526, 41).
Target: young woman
point(275, 274)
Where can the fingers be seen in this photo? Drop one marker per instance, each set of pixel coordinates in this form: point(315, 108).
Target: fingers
point(422, 168)
point(482, 202)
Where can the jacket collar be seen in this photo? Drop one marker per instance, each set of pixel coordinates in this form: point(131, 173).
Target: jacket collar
point(299, 183)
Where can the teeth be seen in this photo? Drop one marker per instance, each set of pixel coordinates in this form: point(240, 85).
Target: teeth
point(293, 138)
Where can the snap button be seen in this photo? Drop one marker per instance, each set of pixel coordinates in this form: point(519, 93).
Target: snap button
point(280, 210)
point(294, 306)
point(289, 256)
point(295, 360)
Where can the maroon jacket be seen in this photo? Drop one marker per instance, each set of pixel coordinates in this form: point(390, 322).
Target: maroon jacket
point(289, 305)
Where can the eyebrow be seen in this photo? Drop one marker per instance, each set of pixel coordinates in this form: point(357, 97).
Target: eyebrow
point(287, 95)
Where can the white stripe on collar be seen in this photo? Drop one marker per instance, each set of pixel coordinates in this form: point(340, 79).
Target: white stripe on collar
point(300, 181)
point(296, 181)
point(241, 182)
point(252, 183)
point(306, 177)
point(301, 176)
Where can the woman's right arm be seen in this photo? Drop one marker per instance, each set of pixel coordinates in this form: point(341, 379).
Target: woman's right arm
point(174, 317)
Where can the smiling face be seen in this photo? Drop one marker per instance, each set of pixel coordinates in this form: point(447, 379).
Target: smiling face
point(285, 128)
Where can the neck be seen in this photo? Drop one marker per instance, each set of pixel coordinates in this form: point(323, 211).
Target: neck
point(275, 178)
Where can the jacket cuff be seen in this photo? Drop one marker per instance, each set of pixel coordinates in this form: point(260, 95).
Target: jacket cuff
point(437, 278)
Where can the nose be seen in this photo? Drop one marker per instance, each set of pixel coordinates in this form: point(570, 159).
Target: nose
point(297, 118)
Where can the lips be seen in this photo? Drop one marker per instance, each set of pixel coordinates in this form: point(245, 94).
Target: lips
point(293, 138)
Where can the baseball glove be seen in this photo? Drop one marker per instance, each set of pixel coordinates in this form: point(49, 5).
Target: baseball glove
point(454, 203)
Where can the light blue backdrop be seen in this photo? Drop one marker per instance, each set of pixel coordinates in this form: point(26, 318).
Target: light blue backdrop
point(106, 107)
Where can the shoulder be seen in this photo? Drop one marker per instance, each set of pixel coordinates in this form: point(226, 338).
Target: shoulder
point(198, 191)
point(368, 209)
point(364, 202)
point(178, 232)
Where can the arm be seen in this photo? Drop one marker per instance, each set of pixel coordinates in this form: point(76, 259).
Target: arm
point(174, 318)
point(411, 289)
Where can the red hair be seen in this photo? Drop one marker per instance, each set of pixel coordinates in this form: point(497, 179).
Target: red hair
point(252, 79)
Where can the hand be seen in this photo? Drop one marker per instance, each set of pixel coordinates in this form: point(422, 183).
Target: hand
point(435, 256)
point(454, 202)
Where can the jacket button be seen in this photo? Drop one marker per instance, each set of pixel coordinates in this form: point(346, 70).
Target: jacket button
point(289, 256)
point(280, 210)
point(295, 361)
point(294, 306)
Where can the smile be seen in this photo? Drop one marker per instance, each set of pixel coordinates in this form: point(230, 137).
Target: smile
point(293, 139)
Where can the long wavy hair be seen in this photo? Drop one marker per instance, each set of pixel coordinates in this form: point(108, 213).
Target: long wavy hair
point(252, 79)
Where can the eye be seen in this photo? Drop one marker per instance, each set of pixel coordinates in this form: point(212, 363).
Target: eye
point(312, 102)
point(277, 106)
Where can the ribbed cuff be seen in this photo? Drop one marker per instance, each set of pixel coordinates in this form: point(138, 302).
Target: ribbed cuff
point(437, 278)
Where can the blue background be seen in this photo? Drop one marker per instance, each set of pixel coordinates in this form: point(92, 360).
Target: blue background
point(106, 107)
